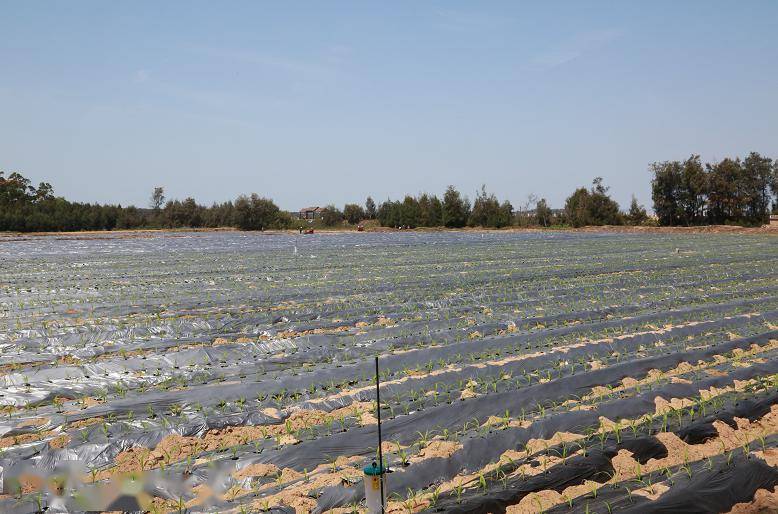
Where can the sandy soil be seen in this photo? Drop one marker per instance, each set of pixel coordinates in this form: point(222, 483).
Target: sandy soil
point(764, 502)
point(147, 233)
point(678, 452)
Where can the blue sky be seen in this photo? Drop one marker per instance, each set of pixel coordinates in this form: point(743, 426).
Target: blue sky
point(318, 102)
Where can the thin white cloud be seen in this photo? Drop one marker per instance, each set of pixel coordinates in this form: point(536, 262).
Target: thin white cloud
point(321, 70)
point(469, 21)
point(556, 58)
point(141, 76)
point(576, 47)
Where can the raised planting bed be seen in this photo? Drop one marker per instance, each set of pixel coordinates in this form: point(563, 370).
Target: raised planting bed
point(233, 372)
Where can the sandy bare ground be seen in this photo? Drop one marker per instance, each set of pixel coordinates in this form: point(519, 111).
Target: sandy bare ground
point(180, 232)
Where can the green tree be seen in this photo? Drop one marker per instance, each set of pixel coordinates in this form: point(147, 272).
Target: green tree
point(456, 209)
point(592, 207)
point(506, 214)
point(353, 213)
point(129, 218)
point(637, 213)
point(388, 214)
point(603, 210)
point(220, 215)
point(756, 181)
point(331, 216)
point(577, 208)
point(15, 190)
point(431, 211)
point(543, 213)
point(255, 213)
point(679, 191)
point(666, 187)
point(487, 211)
point(157, 198)
point(44, 192)
point(774, 186)
point(692, 193)
point(409, 212)
point(725, 191)
point(427, 217)
point(370, 209)
point(192, 213)
point(436, 212)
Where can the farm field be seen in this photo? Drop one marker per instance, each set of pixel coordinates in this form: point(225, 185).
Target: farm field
point(521, 372)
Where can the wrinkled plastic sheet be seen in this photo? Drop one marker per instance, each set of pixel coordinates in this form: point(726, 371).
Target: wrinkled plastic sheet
point(477, 452)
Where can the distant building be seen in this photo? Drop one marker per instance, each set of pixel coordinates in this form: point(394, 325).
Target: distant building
point(774, 220)
point(310, 213)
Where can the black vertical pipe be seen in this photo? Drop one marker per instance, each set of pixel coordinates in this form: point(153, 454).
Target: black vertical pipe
point(381, 469)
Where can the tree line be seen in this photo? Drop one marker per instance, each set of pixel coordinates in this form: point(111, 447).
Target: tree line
point(454, 210)
point(27, 208)
point(731, 191)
